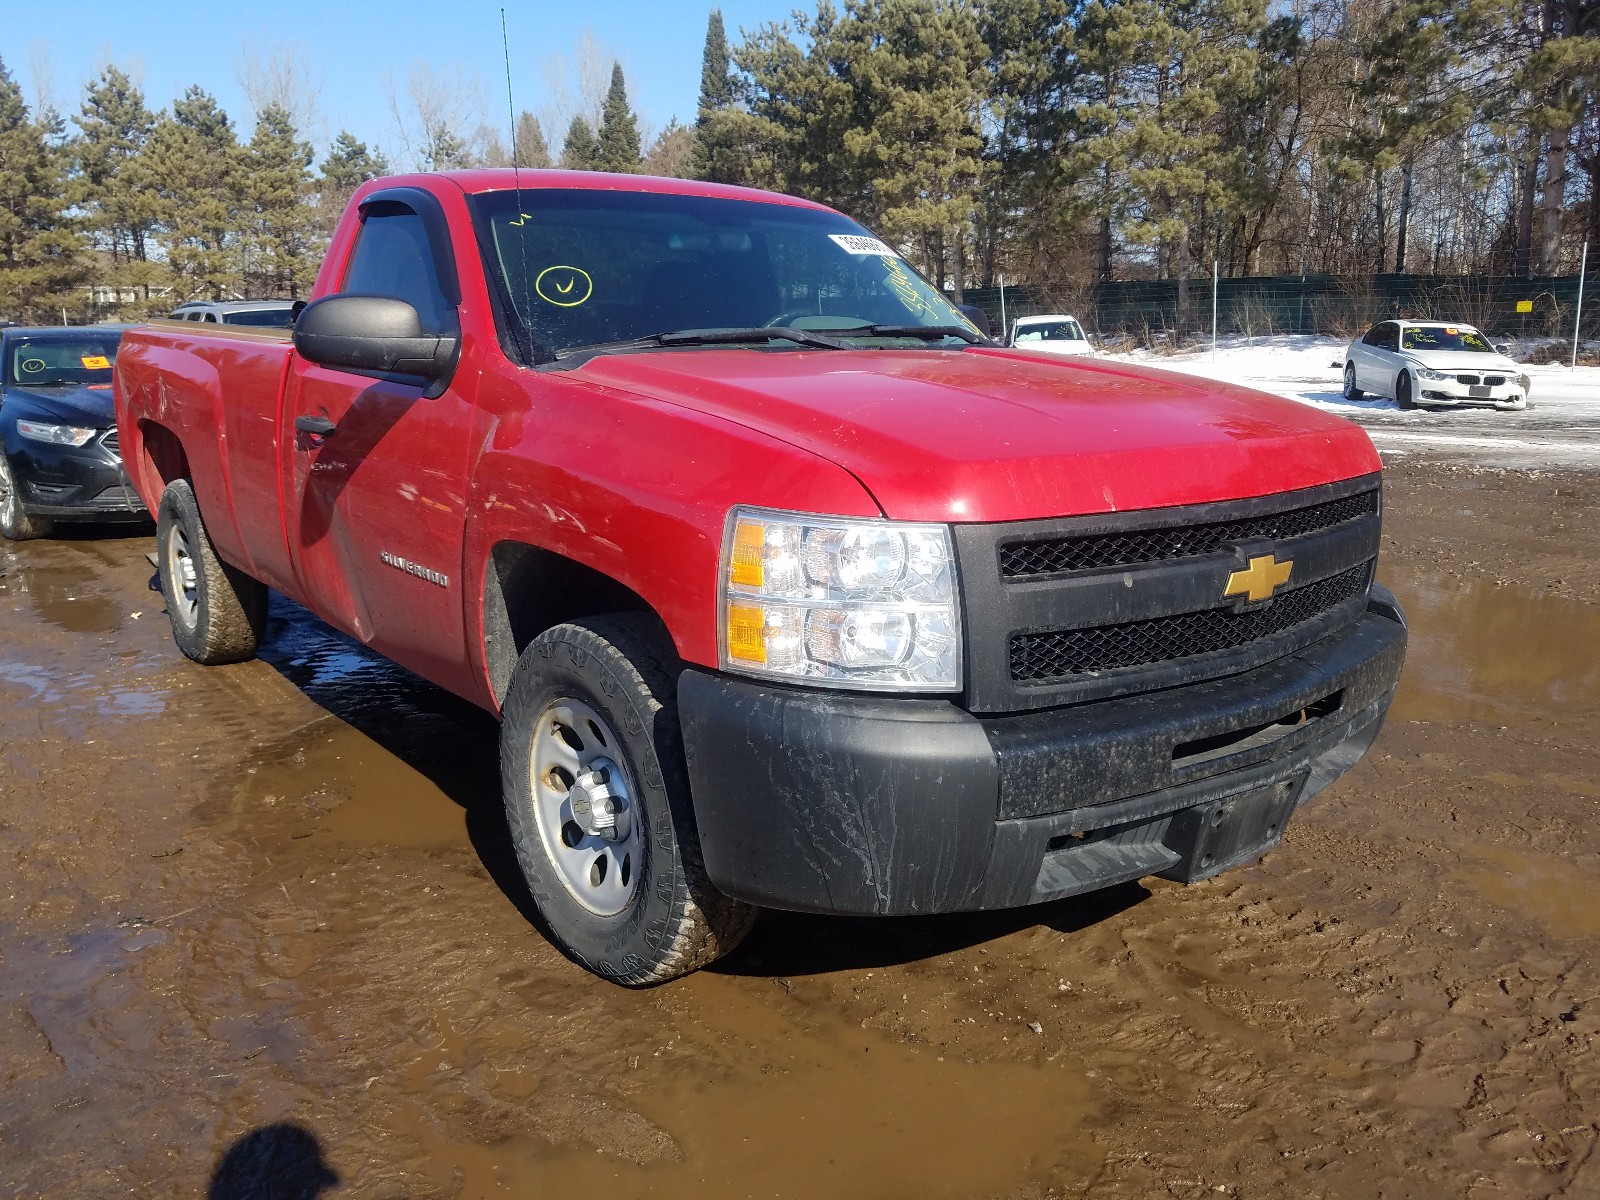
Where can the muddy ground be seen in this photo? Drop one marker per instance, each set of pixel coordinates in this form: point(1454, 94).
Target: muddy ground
point(262, 920)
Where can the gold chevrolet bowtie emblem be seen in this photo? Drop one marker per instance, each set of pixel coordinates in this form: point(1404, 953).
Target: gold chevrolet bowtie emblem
point(1263, 576)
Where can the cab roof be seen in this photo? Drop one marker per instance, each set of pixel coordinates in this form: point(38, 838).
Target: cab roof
point(504, 179)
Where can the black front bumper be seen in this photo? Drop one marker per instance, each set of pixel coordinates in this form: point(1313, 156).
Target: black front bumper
point(85, 483)
point(829, 803)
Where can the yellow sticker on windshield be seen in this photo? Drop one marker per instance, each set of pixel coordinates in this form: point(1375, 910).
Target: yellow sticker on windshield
point(1451, 330)
point(565, 287)
point(95, 362)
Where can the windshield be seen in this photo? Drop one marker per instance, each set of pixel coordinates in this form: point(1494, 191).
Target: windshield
point(1445, 337)
point(279, 317)
point(586, 267)
point(1049, 331)
point(55, 358)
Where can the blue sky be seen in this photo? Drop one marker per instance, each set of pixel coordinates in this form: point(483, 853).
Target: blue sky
point(358, 54)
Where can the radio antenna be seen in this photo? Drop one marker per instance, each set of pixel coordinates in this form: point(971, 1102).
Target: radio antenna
point(511, 112)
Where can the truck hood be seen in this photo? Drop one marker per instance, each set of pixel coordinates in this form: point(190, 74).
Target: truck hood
point(992, 435)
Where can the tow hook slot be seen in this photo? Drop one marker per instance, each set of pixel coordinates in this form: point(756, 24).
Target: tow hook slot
point(1252, 736)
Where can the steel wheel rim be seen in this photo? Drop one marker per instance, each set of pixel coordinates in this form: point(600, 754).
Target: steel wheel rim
point(185, 605)
point(1349, 382)
point(576, 762)
point(7, 490)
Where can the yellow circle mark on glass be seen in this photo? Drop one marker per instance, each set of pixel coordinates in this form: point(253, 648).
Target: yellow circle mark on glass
point(565, 287)
point(31, 365)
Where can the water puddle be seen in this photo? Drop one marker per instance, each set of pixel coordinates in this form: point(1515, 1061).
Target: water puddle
point(347, 785)
point(1552, 891)
point(800, 1104)
point(1481, 652)
point(63, 590)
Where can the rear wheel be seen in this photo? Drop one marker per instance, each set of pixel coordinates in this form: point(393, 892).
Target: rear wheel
point(1402, 392)
point(15, 524)
point(597, 800)
point(218, 613)
point(1351, 391)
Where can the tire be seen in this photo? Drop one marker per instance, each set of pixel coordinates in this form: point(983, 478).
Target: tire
point(592, 709)
point(16, 525)
point(1351, 391)
point(1402, 392)
point(218, 613)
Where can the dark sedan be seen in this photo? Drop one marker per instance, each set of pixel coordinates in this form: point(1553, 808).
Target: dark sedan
point(59, 458)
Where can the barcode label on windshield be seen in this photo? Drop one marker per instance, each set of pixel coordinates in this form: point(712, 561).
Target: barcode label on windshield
point(854, 243)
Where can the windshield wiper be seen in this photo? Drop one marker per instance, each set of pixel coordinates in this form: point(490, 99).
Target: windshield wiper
point(711, 337)
point(928, 333)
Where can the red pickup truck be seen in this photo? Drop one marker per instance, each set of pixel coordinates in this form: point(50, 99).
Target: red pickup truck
point(790, 589)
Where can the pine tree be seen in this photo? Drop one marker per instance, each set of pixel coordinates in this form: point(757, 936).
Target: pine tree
point(580, 152)
point(716, 83)
point(531, 150)
point(283, 243)
point(618, 147)
point(350, 164)
point(717, 124)
point(673, 153)
point(38, 245)
point(443, 149)
point(112, 186)
point(193, 159)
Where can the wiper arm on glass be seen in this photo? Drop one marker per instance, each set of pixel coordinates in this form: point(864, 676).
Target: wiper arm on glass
point(928, 333)
point(711, 337)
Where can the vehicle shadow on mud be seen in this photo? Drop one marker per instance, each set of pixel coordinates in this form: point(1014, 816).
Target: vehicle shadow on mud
point(456, 746)
point(453, 743)
point(787, 944)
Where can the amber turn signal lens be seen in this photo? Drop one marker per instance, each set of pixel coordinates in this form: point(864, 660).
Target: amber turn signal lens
point(746, 562)
point(747, 640)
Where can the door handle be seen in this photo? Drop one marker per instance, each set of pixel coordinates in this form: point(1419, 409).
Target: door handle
point(317, 427)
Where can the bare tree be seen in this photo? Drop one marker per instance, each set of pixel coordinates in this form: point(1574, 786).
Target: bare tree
point(576, 84)
point(281, 74)
point(439, 119)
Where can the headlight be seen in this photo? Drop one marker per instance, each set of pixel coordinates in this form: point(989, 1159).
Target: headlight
point(1437, 376)
point(848, 603)
point(56, 435)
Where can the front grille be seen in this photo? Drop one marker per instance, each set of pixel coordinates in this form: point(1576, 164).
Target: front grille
point(1494, 380)
point(111, 441)
point(1066, 610)
point(1055, 556)
point(1069, 653)
point(1469, 380)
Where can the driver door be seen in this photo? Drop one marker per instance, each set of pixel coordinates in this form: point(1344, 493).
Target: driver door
point(376, 474)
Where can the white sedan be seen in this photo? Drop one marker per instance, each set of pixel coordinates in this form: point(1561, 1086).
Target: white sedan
point(1432, 364)
point(1053, 333)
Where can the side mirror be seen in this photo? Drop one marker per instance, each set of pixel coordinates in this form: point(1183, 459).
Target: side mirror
point(372, 333)
point(978, 317)
point(1503, 348)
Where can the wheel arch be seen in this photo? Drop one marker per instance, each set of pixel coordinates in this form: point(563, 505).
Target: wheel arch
point(162, 458)
point(528, 589)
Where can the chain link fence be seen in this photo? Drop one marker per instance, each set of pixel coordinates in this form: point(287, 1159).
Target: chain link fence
point(1147, 311)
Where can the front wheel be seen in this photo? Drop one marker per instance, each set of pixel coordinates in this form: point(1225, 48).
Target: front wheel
point(1351, 391)
point(1402, 392)
point(597, 801)
point(15, 523)
point(218, 613)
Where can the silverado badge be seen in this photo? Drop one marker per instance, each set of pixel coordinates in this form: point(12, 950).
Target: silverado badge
point(1261, 577)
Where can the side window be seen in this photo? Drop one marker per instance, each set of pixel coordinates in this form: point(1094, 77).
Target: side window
point(1391, 336)
point(392, 258)
point(1375, 336)
point(210, 316)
